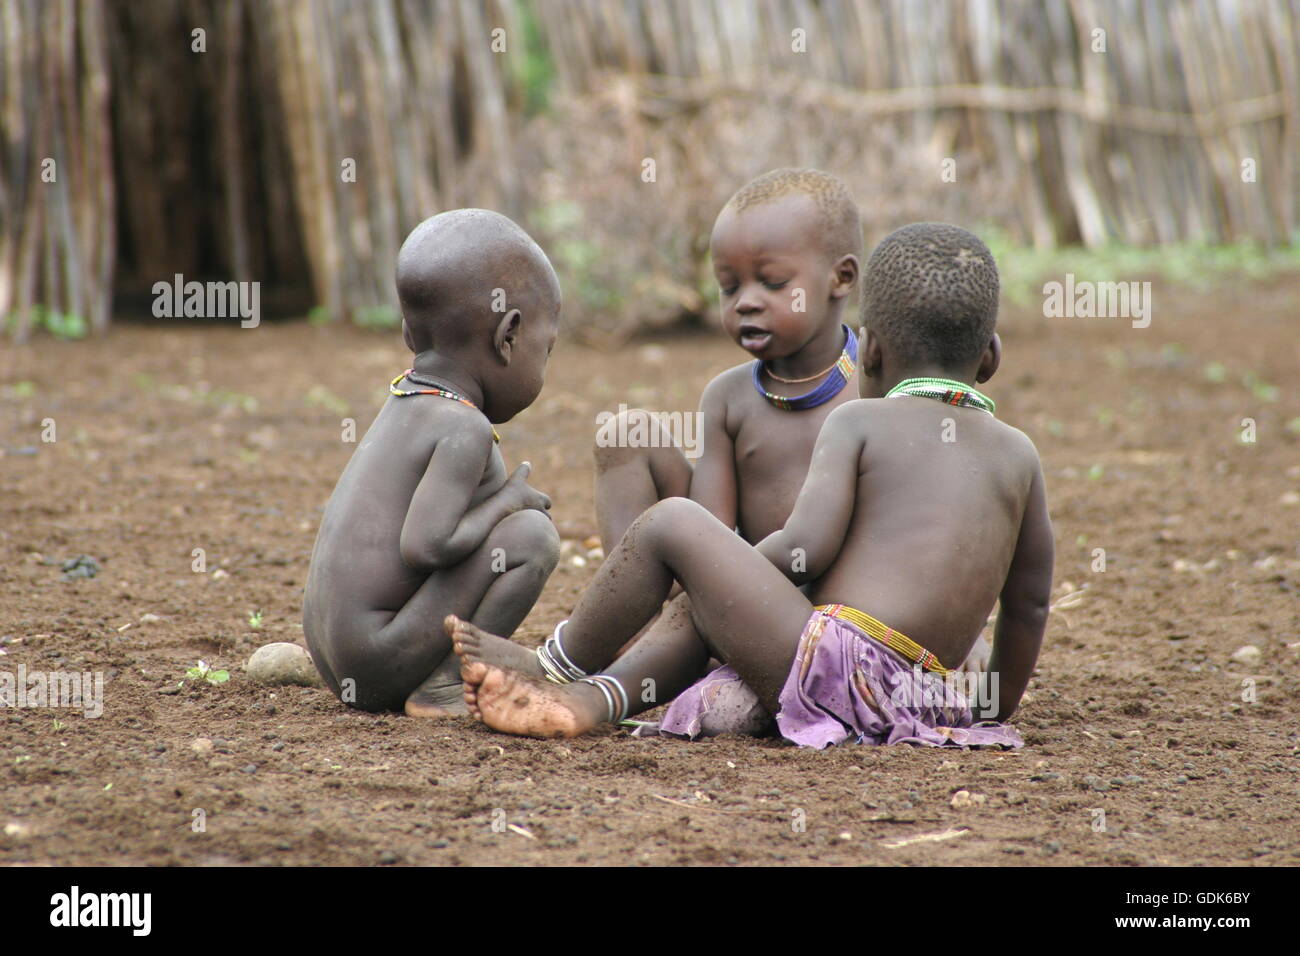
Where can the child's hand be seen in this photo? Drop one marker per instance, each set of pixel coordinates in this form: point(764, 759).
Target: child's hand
point(529, 498)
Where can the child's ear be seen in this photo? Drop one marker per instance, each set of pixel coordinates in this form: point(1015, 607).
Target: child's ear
point(506, 334)
point(870, 358)
point(844, 277)
point(990, 360)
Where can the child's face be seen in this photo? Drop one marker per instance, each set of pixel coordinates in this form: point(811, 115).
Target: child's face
point(519, 383)
point(774, 278)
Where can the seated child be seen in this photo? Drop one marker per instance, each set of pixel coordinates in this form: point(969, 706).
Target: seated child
point(920, 508)
point(425, 521)
point(785, 254)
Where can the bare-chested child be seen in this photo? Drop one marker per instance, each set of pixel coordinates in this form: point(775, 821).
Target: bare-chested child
point(425, 521)
point(785, 254)
point(920, 510)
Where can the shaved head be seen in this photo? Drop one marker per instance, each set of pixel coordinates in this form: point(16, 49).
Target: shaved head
point(457, 270)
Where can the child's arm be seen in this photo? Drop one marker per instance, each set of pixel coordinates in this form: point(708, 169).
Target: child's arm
point(1022, 615)
point(441, 529)
point(713, 480)
point(815, 531)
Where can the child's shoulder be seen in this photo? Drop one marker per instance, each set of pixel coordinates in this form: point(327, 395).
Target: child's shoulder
point(726, 387)
point(440, 418)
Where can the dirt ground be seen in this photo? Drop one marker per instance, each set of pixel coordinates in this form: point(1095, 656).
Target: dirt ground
point(1144, 745)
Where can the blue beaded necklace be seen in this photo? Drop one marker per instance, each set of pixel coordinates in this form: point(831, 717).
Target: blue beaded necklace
point(840, 375)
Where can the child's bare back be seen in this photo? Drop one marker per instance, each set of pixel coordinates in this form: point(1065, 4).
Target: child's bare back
point(934, 482)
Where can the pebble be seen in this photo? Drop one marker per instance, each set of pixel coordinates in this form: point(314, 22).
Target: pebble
point(282, 663)
point(278, 746)
point(964, 798)
point(249, 768)
point(82, 566)
point(1093, 782)
point(149, 618)
point(1247, 654)
point(201, 745)
point(387, 858)
point(18, 831)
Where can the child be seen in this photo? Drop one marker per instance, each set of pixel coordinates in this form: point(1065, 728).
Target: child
point(424, 521)
point(920, 507)
point(785, 254)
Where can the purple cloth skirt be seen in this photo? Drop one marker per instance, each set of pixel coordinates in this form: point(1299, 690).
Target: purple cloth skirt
point(842, 686)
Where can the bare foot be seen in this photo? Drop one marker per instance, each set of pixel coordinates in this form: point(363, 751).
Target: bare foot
point(529, 707)
point(474, 644)
point(516, 704)
point(441, 694)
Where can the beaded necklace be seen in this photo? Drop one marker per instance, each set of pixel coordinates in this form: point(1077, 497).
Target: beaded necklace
point(944, 390)
point(433, 389)
point(840, 374)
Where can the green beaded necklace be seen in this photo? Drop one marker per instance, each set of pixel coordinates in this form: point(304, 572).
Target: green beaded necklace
point(944, 390)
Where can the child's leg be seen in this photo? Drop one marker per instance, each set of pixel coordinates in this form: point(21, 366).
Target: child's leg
point(746, 611)
point(631, 479)
point(408, 660)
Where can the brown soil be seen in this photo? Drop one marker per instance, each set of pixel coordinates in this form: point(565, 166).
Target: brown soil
point(171, 439)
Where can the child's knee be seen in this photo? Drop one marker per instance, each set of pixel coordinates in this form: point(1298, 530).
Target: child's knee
point(529, 537)
point(673, 516)
point(631, 434)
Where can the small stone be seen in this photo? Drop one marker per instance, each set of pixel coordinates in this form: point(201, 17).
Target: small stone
point(1052, 847)
point(149, 618)
point(1181, 778)
point(1247, 654)
point(278, 746)
point(17, 831)
point(249, 768)
point(218, 574)
point(387, 858)
point(1093, 782)
point(201, 745)
point(961, 799)
point(283, 663)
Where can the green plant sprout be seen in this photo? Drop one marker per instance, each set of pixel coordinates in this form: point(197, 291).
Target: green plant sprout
point(203, 671)
point(255, 619)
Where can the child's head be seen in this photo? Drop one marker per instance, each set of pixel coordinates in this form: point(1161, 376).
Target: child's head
point(785, 253)
point(929, 306)
point(475, 288)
